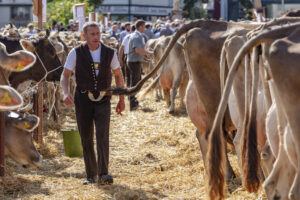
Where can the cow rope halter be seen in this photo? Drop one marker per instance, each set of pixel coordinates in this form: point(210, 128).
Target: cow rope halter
point(33, 90)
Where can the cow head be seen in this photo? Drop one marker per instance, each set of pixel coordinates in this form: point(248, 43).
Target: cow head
point(47, 62)
point(10, 99)
point(18, 139)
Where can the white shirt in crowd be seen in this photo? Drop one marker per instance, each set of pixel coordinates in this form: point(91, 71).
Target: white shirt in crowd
point(125, 43)
point(71, 59)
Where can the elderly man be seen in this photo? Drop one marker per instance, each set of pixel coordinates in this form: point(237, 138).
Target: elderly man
point(93, 63)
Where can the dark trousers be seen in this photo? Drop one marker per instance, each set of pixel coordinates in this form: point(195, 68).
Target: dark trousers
point(135, 77)
point(88, 114)
point(126, 71)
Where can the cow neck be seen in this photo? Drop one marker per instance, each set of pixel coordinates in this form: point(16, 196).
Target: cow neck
point(4, 78)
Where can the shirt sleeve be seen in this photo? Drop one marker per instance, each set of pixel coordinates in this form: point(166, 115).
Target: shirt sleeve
point(125, 41)
point(115, 62)
point(71, 60)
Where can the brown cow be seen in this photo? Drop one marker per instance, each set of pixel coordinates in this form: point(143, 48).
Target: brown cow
point(204, 41)
point(174, 74)
point(251, 176)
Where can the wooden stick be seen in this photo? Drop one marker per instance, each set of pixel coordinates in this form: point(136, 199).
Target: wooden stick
point(38, 110)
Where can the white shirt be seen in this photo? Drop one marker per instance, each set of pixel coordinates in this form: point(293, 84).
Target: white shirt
point(71, 59)
point(125, 43)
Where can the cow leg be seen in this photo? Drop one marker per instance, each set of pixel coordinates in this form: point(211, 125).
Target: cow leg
point(278, 183)
point(173, 95)
point(267, 160)
point(167, 96)
point(203, 146)
point(295, 191)
point(182, 89)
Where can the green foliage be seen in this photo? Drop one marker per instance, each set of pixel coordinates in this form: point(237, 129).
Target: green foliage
point(192, 12)
point(246, 4)
point(188, 5)
point(62, 10)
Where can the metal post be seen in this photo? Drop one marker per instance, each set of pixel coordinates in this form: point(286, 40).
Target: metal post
point(2, 162)
point(38, 110)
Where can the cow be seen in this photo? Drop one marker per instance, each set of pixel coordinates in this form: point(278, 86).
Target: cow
point(18, 139)
point(173, 77)
point(287, 101)
point(47, 65)
point(204, 41)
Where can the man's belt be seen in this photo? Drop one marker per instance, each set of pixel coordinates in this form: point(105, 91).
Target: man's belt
point(96, 95)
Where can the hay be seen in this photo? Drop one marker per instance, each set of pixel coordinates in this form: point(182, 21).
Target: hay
point(153, 155)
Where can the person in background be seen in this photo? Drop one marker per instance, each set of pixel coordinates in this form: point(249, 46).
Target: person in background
point(148, 32)
point(54, 26)
point(125, 32)
point(31, 29)
point(114, 32)
point(166, 31)
point(135, 58)
point(93, 63)
point(123, 52)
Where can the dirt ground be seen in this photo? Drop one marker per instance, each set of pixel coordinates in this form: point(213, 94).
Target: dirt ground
point(153, 155)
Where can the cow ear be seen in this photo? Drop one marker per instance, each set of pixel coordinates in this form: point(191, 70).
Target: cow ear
point(31, 122)
point(27, 45)
point(10, 99)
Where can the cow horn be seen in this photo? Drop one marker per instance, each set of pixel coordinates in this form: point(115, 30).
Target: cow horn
point(47, 33)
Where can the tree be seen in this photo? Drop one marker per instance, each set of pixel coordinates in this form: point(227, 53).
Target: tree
point(62, 10)
point(193, 12)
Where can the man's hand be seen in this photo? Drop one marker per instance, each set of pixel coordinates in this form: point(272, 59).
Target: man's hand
point(68, 99)
point(120, 106)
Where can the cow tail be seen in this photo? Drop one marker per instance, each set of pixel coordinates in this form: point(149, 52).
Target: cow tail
point(222, 67)
point(250, 154)
point(215, 150)
point(185, 28)
point(152, 86)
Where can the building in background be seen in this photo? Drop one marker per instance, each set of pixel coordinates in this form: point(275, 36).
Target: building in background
point(145, 9)
point(18, 12)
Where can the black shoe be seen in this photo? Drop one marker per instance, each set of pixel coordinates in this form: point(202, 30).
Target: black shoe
point(105, 180)
point(89, 181)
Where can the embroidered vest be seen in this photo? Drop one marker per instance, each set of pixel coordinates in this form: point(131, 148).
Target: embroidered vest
point(85, 74)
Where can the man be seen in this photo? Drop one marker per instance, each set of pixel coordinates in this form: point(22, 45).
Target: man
point(123, 52)
point(30, 29)
point(148, 32)
point(93, 63)
point(125, 32)
point(114, 32)
point(135, 57)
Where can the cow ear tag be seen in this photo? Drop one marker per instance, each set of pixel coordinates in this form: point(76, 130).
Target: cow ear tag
point(20, 67)
point(27, 126)
point(6, 99)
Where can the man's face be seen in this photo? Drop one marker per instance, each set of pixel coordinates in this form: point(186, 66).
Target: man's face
point(127, 28)
point(92, 36)
point(142, 28)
